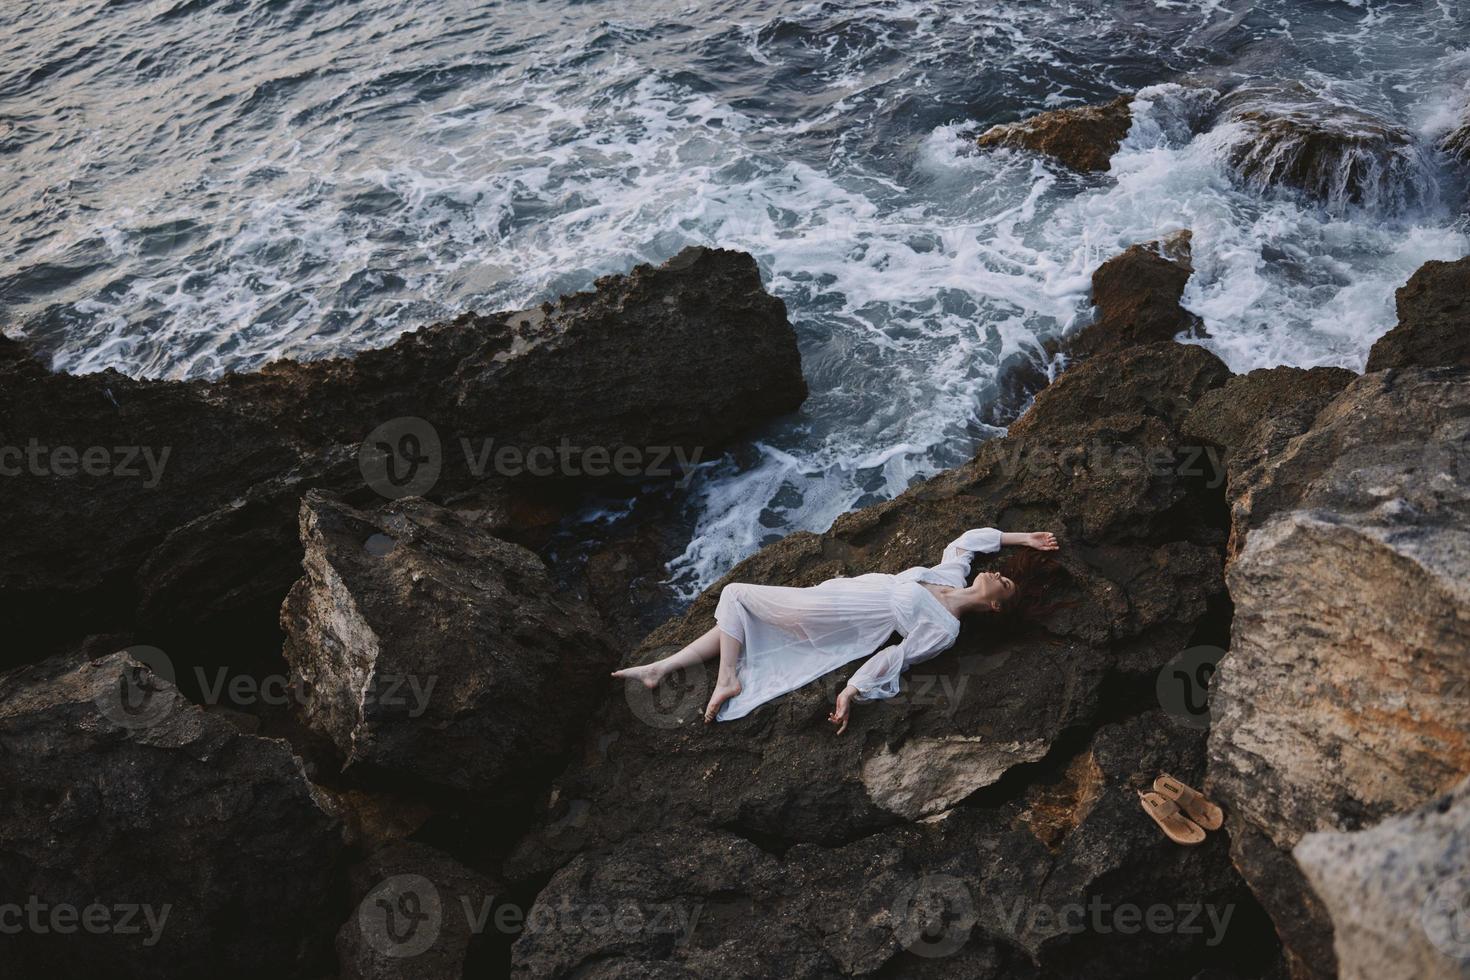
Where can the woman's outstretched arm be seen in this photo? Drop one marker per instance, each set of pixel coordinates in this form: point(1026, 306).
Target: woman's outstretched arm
point(1040, 540)
point(879, 677)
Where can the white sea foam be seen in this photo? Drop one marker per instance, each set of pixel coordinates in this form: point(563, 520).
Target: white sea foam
point(911, 269)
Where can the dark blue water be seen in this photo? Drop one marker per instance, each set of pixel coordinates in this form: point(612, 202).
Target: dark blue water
point(194, 187)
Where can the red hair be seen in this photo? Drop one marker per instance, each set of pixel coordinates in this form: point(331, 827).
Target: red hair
point(1036, 577)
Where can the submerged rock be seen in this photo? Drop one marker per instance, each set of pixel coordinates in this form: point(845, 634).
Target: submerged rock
point(123, 797)
point(181, 497)
point(1434, 320)
point(432, 653)
point(1141, 544)
point(1342, 699)
point(1396, 892)
point(1083, 138)
point(1338, 155)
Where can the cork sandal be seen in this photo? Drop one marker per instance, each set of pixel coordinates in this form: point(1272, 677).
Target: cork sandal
point(1191, 801)
point(1175, 825)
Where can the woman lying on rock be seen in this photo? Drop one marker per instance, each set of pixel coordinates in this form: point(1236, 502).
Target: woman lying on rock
point(792, 636)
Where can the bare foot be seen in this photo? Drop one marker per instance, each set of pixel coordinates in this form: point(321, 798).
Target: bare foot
point(648, 674)
point(725, 689)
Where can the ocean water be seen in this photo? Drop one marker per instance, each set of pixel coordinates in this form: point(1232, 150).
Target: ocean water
point(195, 186)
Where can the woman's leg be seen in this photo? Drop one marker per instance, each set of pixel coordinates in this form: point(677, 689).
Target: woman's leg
point(702, 649)
point(727, 683)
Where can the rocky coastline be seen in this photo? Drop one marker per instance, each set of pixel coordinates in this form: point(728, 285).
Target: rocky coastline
point(444, 741)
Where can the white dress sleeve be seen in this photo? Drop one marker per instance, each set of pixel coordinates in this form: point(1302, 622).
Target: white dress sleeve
point(878, 678)
point(955, 568)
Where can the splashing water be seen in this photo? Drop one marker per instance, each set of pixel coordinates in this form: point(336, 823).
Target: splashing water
point(196, 187)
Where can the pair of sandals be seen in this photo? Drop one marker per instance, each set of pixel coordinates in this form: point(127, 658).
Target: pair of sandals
point(1182, 813)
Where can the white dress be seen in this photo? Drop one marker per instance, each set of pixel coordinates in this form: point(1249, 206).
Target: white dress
point(792, 636)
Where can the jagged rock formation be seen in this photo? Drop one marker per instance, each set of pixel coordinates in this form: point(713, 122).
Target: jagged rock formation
point(1083, 138)
point(1142, 549)
point(432, 653)
point(1137, 294)
point(122, 796)
point(1242, 427)
point(1032, 875)
point(1341, 700)
point(1434, 320)
point(202, 531)
point(1396, 892)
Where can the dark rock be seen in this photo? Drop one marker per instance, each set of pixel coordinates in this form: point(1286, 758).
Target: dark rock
point(1141, 543)
point(1294, 137)
point(118, 792)
point(1456, 143)
point(1243, 425)
point(1083, 138)
point(1434, 320)
point(1342, 701)
point(418, 913)
point(622, 370)
point(978, 893)
point(1137, 297)
point(1136, 294)
point(432, 653)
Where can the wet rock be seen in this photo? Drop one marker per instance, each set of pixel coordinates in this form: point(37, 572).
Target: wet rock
point(1142, 551)
point(1396, 892)
point(148, 493)
point(1342, 699)
point(1434, 320)
point(1456, 142)
point(432, 653)
point(418, 915)
point(1083, 138)
point(976, 893)
point(119, 794)
point(1137, 297)
point(1241, 427)
point(1297, 138)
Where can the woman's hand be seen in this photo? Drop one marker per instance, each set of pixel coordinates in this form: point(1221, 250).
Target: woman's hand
point(842, 714)
point(1042, 541)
